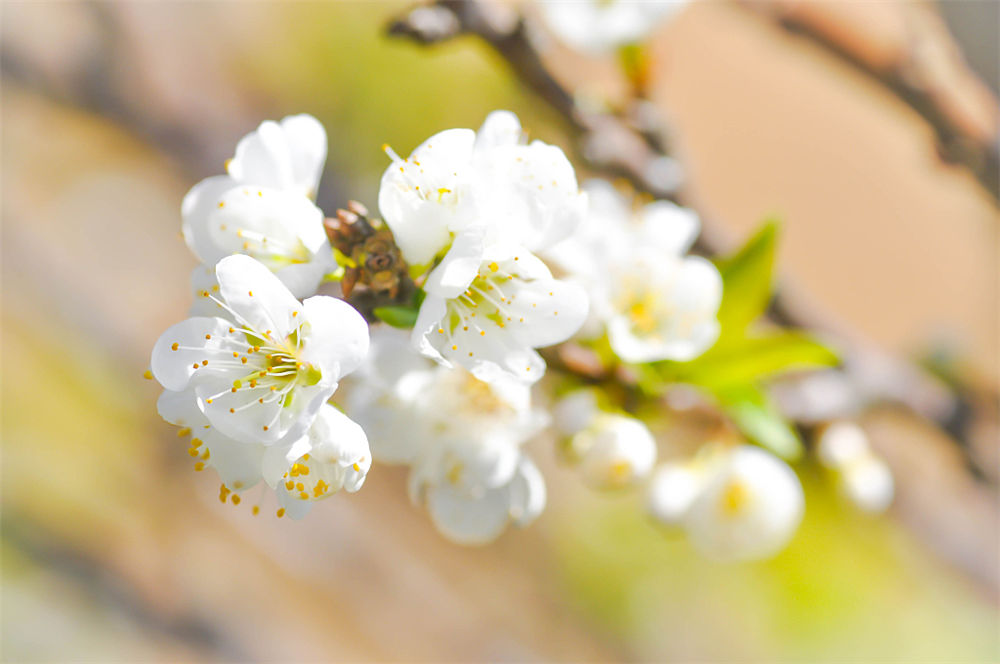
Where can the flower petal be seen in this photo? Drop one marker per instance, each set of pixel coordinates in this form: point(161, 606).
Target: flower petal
point(180, 351)
point(467, 520)
point(458, 267)
point(199, 204)
point(337, 341)
point(256, 296)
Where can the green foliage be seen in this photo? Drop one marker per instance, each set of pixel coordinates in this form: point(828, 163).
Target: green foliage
point(735, 368)
point(402, 317)
point(747, 278)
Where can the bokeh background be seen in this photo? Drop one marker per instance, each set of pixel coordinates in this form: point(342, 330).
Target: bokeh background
point(113, 549)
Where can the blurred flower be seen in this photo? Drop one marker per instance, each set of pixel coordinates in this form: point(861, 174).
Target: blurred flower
point(600, 26)
point(864, 478)
point(460, 437)
point(263, 207)
point(655, 302)
point(735, 504)
point(491, 181)
point(262, 373)
point(612, 451)
point(487, 310)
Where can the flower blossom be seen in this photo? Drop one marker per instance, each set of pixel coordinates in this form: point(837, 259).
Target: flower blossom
point(458, 180)
point(263, 372)
point(864, 478)
point(612, 451)
point(332, 455)
point(488, 310)
point(654, 302)
point(263, 207)
point(735, 504)
point(600, 26)
point(460, 437)
point(470, 208)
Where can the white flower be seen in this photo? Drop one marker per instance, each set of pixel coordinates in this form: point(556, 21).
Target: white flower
point(460, 437)
point(458, 179)
point(263, 373)
point(749, 506)
point(613, 451)
point(332, 455)
point(672, 490)
point(655, 302)
point(599, 26)
point(488, 309)
point(864, 478)
point(263, 207)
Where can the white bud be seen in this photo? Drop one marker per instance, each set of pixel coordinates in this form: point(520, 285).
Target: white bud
point(672, 490)
point(614, 451)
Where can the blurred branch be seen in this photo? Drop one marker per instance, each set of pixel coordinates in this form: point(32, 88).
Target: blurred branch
point(924, 68)
point(615, 144)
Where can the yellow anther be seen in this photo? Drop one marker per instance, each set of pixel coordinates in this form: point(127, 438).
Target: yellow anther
point(281, 512)
point(250, 293)
point(175, 346)
point(289, 485)
point(147, 374)
point(208, 336)
point(183, 432)
point(256, 510)
point(303, 495)
point(300, 486)
point(236, 499)
point(222, 204)
point(200, 466)
point(196, 442)
point(193, 452)
point(493, 267)
point(357, 468)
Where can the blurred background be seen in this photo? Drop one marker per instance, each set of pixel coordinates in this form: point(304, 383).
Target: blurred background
point(113, 549)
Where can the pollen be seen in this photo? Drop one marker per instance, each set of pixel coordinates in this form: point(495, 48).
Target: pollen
point(196, 442)
point(250, 293)
point(236, 500)
point(256, 510)
point(493, 267)
point(200, 466)
point(265, 427)
point(231, 330)
point(208, 336)
point(195, 365)
point(222, 204)
point(147, 374)
point(357, 468)
point(183, 432)
point(204, 363)
point(482, 333)
point(193, 452)
point(280, 512)
point(175, 346)
point(454, 347)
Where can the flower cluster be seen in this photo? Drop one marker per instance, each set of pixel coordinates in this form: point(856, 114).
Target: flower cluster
point(248, 376)
point(600, 26)
point(472, 221)
point(460, 437)
point(468, 209)
point(653, 302)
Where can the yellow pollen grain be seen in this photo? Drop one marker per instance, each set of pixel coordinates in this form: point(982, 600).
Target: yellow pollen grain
point(454, 347)
point(303, 495)
point(193, 452)
point(482, 333)
point(493, 267)
point(300, 486)
point(294, 314)
point(204, 363)
point(208, 401)
point(222, 204)
point(289, 485)
point(280, 512)
point(196, 442)
point(243, 360)
point(208, 336)
point(200, 466)
point(231, 410)
point(236, 500)
point(256, 510)
point(265, 427)
point(357, 468)
point(195, 365)
point(183, 432)
point(250, 293)
point(175, 346)
point(147, 374)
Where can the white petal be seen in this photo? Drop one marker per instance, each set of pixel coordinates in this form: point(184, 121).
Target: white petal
point(174, 368)
point(287, 156)
point(338, 336)
point(672, 490)
point(459, 266)
point(180, 408)
point(238, 464)
point(668, 227)
point(204, 286)
point(527, 493)
point(256, 296)
point(198, 206)
point(422, 198)
point(499, 128)
point(553, 310)
point(467, 520)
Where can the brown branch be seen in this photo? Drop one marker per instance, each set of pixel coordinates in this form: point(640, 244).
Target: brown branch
point(614, 144)
point(917, 61)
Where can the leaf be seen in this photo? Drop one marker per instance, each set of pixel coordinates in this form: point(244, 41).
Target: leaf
point(403, 317)
point(747, 278)
point(757, 418)
point(752, 359)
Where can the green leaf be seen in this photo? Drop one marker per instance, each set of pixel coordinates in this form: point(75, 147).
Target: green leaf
point(749, 360)
point(757, 418)
point(404, 317)
point(747, 278)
